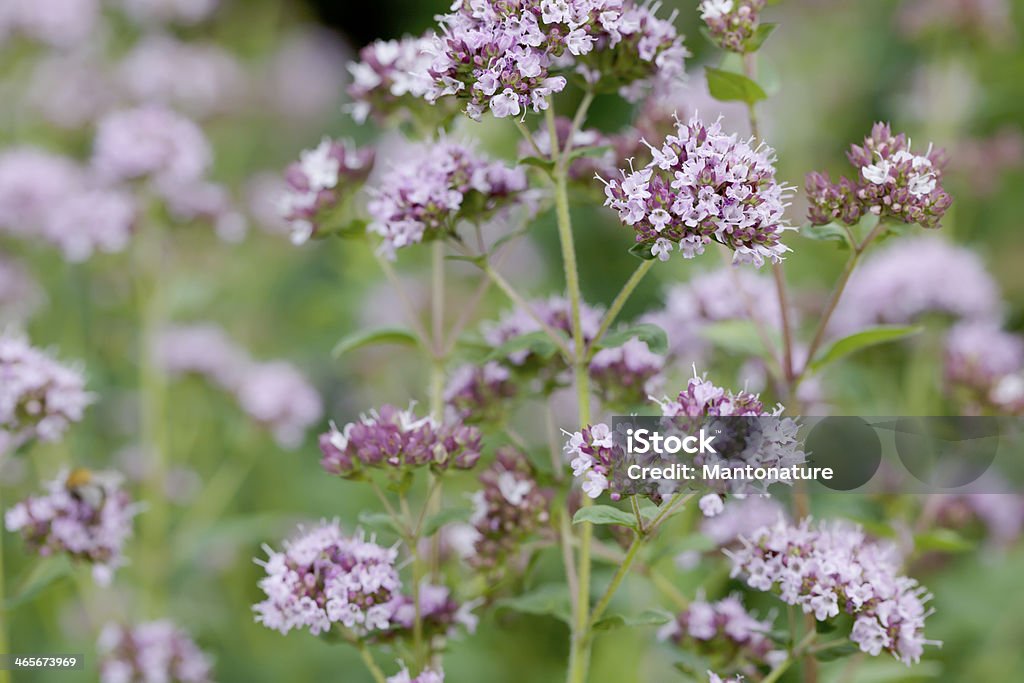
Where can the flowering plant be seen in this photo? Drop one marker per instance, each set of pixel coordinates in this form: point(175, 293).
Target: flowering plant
point(472, 474)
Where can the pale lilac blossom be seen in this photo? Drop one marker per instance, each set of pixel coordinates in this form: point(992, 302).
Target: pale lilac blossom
point(391, 78)
point(150, 142)
point(39, 396)
point(322, 578)
point(151, 652)
point(915, 276)
point(715, 187)
point(90, 221)
point(278, 396)
point(32, 181)
point(830, 569)
point(180, 12)
point(732, 23)
point(85, 514)
point(425, 194)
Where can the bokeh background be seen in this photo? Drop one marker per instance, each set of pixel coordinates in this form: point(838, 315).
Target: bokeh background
point(946, 71)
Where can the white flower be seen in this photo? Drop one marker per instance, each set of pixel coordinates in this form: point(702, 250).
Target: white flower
point(320, 168)
point(662, 249)
point(921, 184)
point(505, 104)
point(711, 505)
point(512, 489)
point(877, 173)
point(595, 484)
point(715, 9)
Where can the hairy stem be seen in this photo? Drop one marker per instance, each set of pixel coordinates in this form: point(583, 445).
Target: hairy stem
point(856, 251)
point(371, 665)
point(620, 300)
point(5, 675)
point(613, 587)
point(579, 652)
point(149, 285)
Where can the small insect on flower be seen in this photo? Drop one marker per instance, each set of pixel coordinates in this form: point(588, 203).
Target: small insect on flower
point(84, 513)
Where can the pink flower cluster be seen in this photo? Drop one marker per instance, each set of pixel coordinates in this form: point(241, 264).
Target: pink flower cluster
point(831, 569)
point(275, 394)
point(150, 142)
point(50, 197)
point(474, 392)
point(701, 186)
point(506, 56)
point(509, 509)
point(555, 312)
point(704, 624)
point(433, 187)
point(395, 439)
point(891, 182)
point(626, 375)
point(732, 23)
point(151, 652)
point(321, 181)
point(323, 578)
point(60, 24)
point(913, 277)
point(391, 78)
point(39, 397)
point(84, 514)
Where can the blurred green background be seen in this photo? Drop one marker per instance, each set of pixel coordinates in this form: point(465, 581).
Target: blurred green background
point(838, 66)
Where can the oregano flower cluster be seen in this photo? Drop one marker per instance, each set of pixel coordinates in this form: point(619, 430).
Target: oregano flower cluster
point(702, 186)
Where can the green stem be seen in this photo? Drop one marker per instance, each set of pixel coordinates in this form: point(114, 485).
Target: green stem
point(579, 654)
point(620, 300)
point(437, 332)
point(5, 676)
point(856, 251)
point(152, 411)
point(371, 665)
point(613, 587)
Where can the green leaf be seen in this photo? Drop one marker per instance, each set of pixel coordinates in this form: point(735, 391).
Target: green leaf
point(736, 336)
point(654, 336)
point(692, 663)
point(45, 573)
point(943, 540)
point(384, 335)
point(829, 232)
point(837, 651)
point(604, 514)
point(650, 617)
point(727, 86)
point(547, 600)
point(642, 250)
point(537, 343)
point(755, 41)
point(435, 522)
point(543, 164)
point(873, 336)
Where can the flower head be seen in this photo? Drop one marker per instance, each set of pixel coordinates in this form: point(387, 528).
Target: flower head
point(892, 182)
point(320, 183)
point(84, 514)
point(391, 79)
point(831, 569)
point(913, 277)
point(732, 23)
point(323, 577)
point(277, 395)
point(39, 397)
point(706, 625)
point(475, 392)
point(626, 375)
point(149, 141)
point(433, 187)
point(395, 439)
point(85, 222)
point(32, 181)
point(510, 508)
point(151, 652)
point(505, 57)
point(701, 186)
